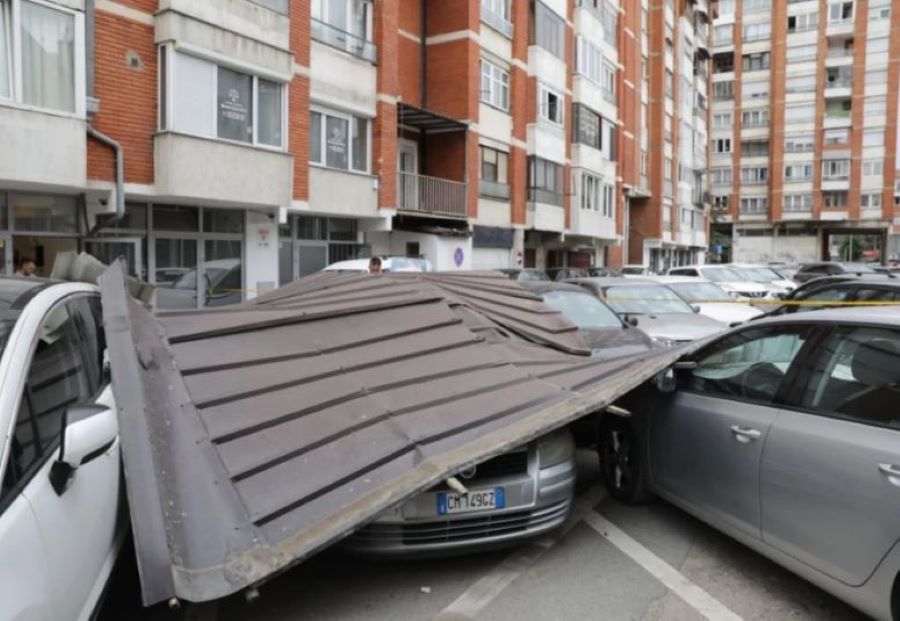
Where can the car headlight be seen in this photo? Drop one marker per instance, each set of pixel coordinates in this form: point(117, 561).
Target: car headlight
point(555, 448)
point(735, 295)
point(663, 342)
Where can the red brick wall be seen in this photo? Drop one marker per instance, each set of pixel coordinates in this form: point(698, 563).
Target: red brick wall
point(452, 79)
point(127, 96)
point(298, 105)
point(445, 155)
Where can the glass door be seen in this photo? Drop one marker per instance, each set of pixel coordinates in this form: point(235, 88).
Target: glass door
point(108, 250)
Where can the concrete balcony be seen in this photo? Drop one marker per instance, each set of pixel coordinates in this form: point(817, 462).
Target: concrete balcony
point(266, 21)
point(545, 217)
point(592, 224)
point(836, 183)
point(841, 89)
point(837, 118)
point(204, 169)
point(342, 193)
point(42, 148)
point(842, 29)
point(431, 196)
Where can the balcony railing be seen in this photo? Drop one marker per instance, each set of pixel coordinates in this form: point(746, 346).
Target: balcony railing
point(343, 40)
point(846, 83)
point(431, 195)
point(838, 114)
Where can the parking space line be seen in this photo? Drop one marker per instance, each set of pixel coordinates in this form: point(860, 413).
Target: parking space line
point(486, 589)
point(692, 594)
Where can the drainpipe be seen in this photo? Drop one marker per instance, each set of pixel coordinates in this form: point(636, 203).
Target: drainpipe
point(94, 105)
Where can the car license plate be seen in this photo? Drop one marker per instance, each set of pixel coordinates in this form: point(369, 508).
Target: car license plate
point(475, 500)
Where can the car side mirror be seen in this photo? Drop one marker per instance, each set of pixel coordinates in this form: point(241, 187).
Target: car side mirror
point(89, 431)
point(666, 381)
point(695, 308)
point(632, 321)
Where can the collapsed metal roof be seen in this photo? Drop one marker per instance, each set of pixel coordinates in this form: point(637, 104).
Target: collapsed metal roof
point(257, 434)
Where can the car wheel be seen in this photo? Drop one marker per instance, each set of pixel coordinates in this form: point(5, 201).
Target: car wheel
point(622, 462)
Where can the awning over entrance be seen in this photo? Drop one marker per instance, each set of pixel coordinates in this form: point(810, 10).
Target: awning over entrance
point(426, 120)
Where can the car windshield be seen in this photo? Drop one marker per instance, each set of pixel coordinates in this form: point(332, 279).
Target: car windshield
point(761, 275)
point(11, 303)
point(700, 292)
point(858, 267)
point(632, 270)
point(785, 272)
point(582, 309)
point(533, 276)
point(645, 299)
point(720, 274)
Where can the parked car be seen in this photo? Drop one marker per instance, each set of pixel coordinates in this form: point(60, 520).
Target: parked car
point(222, 284)
point(60, 524)
point(877, 289)
point(766, 276)
point(562, 273)
point(604, 271)
point(784, 434)
point(655, 309)
point(526, 274)
point(726, 278)
point(710, 299)
point(388, 264)
point(808, 271)
point(603, 330)
point(514, 496)
point(635, 270)
point(784, 270)
point(888, 269)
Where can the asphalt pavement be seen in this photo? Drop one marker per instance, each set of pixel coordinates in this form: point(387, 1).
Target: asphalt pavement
point(610, 561)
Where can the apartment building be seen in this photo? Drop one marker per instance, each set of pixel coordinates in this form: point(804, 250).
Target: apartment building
point(224, 147)
point(666, 69)
point(803, 132)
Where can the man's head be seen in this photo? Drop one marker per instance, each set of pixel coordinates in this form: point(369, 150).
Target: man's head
point(27, 266)
point(374, 265)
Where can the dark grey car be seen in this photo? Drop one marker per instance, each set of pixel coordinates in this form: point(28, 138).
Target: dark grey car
point(785, 434)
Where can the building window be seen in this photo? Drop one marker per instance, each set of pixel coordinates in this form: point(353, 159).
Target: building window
point(757, 6)
point(345, 25)
point(721, 145)
point(669, 83)
point(799, 143)
point(548, 29)
point(798, 172)
point(722, 119)
point(720, 176)
point(838, 135)
point(493, 175)
point(494, 85)
point(876, 76)
point(591, 192)
point(758, 117)
point(755, 89)
point(873, 167)
point(667, 169)
point(836, 169)
point(726, 7)
point(754, 148)
point(757, 32)
point(797, 202)
point(545, 181)
point(587, 127)
point(870, 201)
point(801, 53)
point(723, 35)
point(875, 106)
point(609, 83)
point(879, 12)
point(723, 90)
point(720, 203)
point(645, 163)
point(840, 12)
point(212, 101)
point(495, 13)
point(803, 21)
point(834, 199)
point(550, 105)
point(756, 62)
point(873, 138)
point(803, 113)
point(754, 174)
point(754, 205)
point(588, 60)
point(800, 84)
point(609, 205)
point(38, 64)
point(339, 140)
point(609, 18)
point(723, 63)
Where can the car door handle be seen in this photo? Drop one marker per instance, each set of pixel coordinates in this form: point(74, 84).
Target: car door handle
point(892, 472)
point(745, 435)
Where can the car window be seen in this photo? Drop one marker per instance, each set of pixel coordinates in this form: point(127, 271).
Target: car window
point(876, 295)
point(748, 365)
point(856, 375)
point(56, 380)
point(582, 309)
point(88, 316)
point(645, 299)
point(700, 292)
point(828, 294)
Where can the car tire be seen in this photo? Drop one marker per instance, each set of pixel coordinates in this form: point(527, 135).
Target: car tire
point(623, 464)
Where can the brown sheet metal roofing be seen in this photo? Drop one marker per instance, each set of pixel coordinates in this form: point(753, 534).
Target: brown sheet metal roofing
point(255, 435)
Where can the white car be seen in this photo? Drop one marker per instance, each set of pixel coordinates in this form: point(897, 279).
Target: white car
point(765, 275)
point(60, 522)
point(388, 264)
point(712, 301)
point(723, 276)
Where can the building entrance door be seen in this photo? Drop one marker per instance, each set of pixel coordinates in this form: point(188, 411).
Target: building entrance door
point(108, 250)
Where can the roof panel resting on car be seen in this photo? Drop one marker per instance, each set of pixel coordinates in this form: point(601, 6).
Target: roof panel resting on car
point(255, 435)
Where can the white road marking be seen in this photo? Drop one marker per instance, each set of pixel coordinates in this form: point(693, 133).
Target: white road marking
point(477, 597)
point(676, 582)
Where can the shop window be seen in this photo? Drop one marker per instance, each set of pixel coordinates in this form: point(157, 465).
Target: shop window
point(176, 218)
point(223, 221)
point(44, 213)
